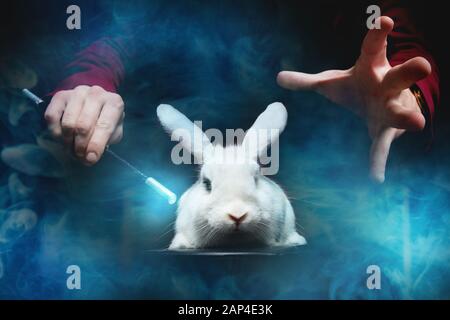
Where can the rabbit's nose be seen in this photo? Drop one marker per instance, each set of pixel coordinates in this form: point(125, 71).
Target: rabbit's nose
point(237, 219)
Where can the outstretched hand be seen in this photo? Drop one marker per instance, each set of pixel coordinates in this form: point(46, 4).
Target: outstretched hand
point(374, 90)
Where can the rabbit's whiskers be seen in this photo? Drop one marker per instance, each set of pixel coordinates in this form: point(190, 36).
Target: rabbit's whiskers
point(166, 232)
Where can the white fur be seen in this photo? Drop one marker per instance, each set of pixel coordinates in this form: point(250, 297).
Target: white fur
point(237, 187)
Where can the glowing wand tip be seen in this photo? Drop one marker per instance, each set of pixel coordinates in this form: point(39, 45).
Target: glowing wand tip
point(162, 190)
point(158, 187)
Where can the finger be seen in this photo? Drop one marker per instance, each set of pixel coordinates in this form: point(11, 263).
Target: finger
point(379, 153)
point(109, 118)
point(71, 113)
point(397, 116)
point(375, 43)
point(118, 133)
point(305, 81)
point(404, 75)
point(86, 122)
point(54, 112)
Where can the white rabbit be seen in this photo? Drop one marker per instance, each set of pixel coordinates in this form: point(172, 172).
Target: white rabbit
point(232, 203)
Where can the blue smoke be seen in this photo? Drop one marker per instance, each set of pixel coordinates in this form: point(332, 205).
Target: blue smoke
point(216, 63)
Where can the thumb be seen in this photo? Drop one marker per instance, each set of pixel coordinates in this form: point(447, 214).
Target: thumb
point(379, 153)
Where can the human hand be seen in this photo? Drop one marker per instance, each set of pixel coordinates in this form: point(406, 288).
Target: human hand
point(374, 90)
point(87, 119)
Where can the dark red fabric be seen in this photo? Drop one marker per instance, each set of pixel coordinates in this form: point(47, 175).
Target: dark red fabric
point(405, 42)
point(99, 64)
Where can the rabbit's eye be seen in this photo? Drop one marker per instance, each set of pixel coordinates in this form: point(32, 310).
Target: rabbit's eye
point(207, 184)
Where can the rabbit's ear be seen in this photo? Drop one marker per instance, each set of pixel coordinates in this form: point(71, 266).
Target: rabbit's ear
point(191, 137)
point(266, 129)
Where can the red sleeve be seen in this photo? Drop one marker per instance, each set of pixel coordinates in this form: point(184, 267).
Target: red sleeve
point(99, 64)
point(406, 42)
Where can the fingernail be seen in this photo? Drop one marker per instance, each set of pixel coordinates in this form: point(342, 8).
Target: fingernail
point(91, 157)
